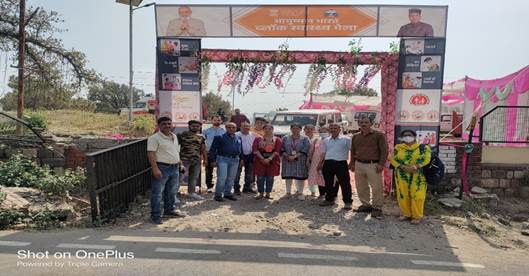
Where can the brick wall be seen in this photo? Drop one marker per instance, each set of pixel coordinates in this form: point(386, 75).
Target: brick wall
point(451, 155)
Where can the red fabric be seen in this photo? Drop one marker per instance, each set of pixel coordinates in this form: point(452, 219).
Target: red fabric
point(270, 169)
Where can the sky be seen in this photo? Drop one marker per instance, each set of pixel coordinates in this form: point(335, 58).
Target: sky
point(486, 39)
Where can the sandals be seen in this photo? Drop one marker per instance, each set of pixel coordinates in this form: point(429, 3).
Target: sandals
point(267, 196)
point(415, 221)
point(403, 218)
point(259, 196)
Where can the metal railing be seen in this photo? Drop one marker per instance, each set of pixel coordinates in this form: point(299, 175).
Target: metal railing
point(505, 124)
point(115, 177)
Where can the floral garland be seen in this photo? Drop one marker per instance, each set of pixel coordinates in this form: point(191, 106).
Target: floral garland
point(369, 73)
point(204, 74)
point(317, 73)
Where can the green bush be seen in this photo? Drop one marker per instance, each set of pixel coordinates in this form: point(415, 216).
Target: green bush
point(9, 217)
point(143, 126)
point(22, 171)
point(36, 120)
point(2, 196)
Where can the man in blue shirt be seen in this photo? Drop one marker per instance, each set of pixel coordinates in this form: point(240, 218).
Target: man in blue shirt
point(226, 150)
point(209, 134)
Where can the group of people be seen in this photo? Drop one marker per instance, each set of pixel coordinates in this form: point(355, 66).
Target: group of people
point(320, 162)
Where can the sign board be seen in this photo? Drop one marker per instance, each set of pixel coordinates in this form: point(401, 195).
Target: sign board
point(300, 21)
point(178, 76)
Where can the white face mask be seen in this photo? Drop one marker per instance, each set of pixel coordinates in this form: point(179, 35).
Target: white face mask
point(324, 135)
point(408, 139)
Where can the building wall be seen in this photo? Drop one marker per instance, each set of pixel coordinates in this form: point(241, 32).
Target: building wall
point(505, 155)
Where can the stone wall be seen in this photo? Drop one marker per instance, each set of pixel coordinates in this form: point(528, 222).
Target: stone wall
point(506, 180)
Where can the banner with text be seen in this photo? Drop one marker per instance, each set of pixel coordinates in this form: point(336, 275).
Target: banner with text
point(300, 21)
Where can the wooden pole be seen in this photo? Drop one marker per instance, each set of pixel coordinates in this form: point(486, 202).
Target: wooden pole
point(21, 57)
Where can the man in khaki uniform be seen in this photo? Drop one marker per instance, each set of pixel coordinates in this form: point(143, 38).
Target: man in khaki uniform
point(369, 152)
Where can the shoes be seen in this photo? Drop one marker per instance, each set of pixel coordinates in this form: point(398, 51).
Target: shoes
point(156, 220)
point(195, 196)
point(177, 201)
point(326, 203)
point(376, 213)
point(237, 192)
point(218, 198)
point(301, 197)
point(267, 196)
point(348, 206)
point(364, 209)
point(250, 191)
point(174, 214)
point(259, 196)
point(210, 190)
point(231, 197)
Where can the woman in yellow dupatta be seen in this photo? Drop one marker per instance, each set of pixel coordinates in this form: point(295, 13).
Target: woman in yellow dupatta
point(408, 159)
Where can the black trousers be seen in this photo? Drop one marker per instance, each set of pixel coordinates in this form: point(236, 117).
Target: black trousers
point(332, 168)
point(209, 176)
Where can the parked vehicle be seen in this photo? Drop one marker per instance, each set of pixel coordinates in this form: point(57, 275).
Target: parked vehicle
point(317, 117)
point(354, 116)
point(146, 104)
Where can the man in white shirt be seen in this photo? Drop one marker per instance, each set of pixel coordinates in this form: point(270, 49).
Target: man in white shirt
point(334, 164)
point(163, 152)
point(247, 139)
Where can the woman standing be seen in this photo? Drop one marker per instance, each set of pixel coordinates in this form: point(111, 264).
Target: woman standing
point(315, 179)
point(266, 151)
point(293, 166)
point(408, 159)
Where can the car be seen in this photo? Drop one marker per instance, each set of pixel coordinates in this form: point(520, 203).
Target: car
point(317, 117)
point(354, 116)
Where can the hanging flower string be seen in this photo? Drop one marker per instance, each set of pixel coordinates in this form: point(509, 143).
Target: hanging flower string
point(204, 74)
point(369, 73)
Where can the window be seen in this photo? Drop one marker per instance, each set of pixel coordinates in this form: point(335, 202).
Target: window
point(289, 119)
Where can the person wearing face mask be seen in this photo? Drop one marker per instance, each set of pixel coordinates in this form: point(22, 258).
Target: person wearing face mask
point(408, 159)
point(315, 179)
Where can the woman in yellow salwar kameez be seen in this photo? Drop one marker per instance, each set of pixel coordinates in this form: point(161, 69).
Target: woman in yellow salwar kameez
point(408, 159)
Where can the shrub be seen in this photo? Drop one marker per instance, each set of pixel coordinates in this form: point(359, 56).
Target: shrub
point(22, 171)
point(70, 181)
point(143, 126)
point(9, 217)
point(36, 120)
point(2, 196)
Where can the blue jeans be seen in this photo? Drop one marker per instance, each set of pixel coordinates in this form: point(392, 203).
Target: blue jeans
point(193, 172)
point(248, 175)
point(226, 172)
point(166, 186)
point(263, 181)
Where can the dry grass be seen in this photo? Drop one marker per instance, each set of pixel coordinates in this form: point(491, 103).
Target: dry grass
point(74, 122)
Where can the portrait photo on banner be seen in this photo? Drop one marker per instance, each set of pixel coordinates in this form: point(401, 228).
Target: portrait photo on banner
point(412, 21)
point(192, 21)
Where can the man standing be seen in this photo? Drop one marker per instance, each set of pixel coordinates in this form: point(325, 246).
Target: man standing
point(239, 118)
point(334, 164)
point(415, 28)
point(226, 150)
point(247, 139)
point(210, 134)
point(369, 152)
point(193, 147)
point(260, 122)
point(163, 153)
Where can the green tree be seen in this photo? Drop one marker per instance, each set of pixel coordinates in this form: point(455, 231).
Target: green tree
point(110, 96)
point(358, 91)
point(39, 94)
point(213, 102)
point(46, 56)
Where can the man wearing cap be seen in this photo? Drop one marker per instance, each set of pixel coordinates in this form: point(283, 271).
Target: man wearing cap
point(415, 28)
